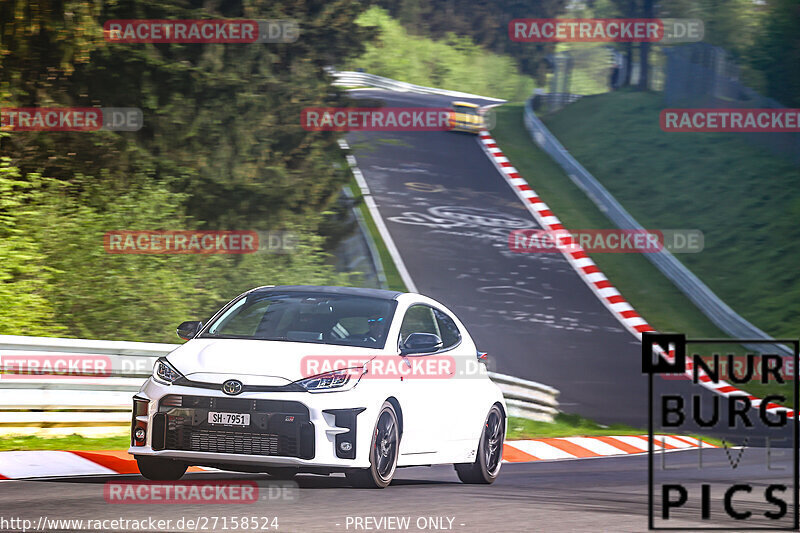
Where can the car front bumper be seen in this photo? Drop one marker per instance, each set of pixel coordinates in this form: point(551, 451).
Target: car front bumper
point(467, 124)
point(301, 429)
point(467, 127)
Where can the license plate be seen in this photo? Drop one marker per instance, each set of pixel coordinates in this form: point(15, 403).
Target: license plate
point(229, 419)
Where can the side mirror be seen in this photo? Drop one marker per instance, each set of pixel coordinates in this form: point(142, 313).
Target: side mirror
point(420, 343)
point(187, 330)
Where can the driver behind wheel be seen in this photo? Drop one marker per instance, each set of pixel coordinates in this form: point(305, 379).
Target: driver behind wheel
point(375, 325)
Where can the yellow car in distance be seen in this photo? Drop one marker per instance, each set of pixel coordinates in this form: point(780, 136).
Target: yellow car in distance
point(466, 117)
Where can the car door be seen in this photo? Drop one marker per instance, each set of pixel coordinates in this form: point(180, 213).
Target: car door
point(462, 405)
point(425, 390)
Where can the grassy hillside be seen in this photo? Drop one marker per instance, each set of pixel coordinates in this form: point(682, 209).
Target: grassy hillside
point(744, 199)
point(454, 63)
point(650, 293)
point(675, 184)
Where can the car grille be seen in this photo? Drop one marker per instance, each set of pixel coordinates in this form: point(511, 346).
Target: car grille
point(277, 428)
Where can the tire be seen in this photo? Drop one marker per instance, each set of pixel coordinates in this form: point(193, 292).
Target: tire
point(158, 469)
point(489, 458)
point(383, 453)
point(282, 472)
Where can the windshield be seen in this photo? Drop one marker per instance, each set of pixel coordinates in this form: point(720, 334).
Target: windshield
point(307, 317)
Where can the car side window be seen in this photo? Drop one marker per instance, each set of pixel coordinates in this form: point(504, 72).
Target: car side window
point(425, 319)
point(448, 331)
point(418, 319)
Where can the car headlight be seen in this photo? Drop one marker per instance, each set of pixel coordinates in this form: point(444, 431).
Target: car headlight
point(165, 372)
point(338, 380)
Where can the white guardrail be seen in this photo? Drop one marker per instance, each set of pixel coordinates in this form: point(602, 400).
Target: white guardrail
point(723, 316)
point(101, 405)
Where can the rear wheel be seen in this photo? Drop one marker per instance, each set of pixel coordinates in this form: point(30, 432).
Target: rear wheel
point(159, 469)
point(486, 467)
point(383, 453)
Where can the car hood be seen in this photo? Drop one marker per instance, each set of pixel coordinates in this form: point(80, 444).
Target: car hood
point(255, 362)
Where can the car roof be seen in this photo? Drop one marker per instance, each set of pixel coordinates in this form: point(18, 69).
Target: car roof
point(325, 289)
point(467, 104)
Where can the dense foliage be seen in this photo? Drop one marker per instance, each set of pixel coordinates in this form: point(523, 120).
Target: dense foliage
point(763, 37)
point(221, 148)
point(453, 62)
point(485, 22)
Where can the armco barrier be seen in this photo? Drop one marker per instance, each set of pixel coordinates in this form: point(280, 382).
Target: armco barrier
point(359, 79)
point(527, 399)
point(698, 292)
point(101, 405)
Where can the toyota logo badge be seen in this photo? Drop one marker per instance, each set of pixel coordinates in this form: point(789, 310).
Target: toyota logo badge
point(232, 387)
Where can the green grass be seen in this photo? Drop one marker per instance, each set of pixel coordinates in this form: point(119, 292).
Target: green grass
point(393, 279)
point(69, 442)
point(653, 183)
point(744, 199)
point(566, 425)
point(650, 293)
point(454, 63)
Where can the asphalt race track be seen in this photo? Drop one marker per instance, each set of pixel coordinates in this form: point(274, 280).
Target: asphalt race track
point(449, 212)
point(602, 494)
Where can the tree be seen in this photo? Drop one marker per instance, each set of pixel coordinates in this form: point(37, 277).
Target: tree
point(24, 278)
point(484, 21)
point(777, 52)
point(221, 148)
point(221, 121)
point(648, 12)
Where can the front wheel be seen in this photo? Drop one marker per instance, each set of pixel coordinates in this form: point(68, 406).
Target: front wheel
point(383, 453)
point(486, 467)
point(158, 469)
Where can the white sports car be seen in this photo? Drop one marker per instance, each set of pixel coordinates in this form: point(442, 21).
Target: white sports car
point(319, 380)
